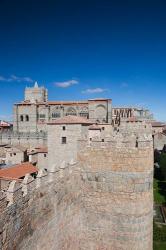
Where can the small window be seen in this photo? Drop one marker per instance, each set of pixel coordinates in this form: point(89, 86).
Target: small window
point(90, 139)
point(45, 155)
point(103, 128)
point(64, 128)
point(56, 115)
point(102, 140)
point(10, 154)
point(14, 153)
point(63, 140)
point(136, 143)
point(42, 116)
point(27, 118)
point(21, 118)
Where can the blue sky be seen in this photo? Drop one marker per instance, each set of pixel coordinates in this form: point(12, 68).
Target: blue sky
point(84, 49)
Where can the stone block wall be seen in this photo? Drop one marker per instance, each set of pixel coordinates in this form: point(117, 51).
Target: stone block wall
point(24, 139)
point(117, 193)
point(104, 201)
point(43, 213)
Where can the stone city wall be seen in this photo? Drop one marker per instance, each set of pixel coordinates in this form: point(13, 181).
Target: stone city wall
point(42, 213)
point(118, 196)
point(25, 139)
point(104, 201)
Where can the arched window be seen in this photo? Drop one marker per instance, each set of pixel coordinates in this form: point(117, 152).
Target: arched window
point(21, 118)
point(84, 112)
point(56, 115)
point(71, 111)
point(27, 118)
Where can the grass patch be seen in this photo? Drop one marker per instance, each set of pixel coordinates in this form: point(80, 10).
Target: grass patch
point(159, 237)
point(159, 245)
point(159, 193)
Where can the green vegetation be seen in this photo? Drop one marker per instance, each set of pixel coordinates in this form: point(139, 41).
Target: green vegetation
point(159, 237)
point(159, 245)
point(159, 187)
point(159, 232)
point(159, 196)
point(162, 163)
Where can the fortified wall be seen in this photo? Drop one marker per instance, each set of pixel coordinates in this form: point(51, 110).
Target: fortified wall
point(31, 139)
point(118, 195)
point(104, 201)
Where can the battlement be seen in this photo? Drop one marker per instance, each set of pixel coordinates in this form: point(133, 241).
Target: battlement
point(135, 127)
point(13, 190)
point(104, 200)
point(119, 139)
point(23, 138)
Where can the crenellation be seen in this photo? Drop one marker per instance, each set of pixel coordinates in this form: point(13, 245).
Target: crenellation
point(14, 192)
point(27, 184)
point(95, 190)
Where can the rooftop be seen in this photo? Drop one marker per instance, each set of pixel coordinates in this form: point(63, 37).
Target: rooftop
point(18, 171)
point(157, 124)
point(94, 127)
point(81, 102)
point(5, 124)
point(16, 148)
point(38, 150)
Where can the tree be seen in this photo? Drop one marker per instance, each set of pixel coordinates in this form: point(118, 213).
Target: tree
point(162, 164)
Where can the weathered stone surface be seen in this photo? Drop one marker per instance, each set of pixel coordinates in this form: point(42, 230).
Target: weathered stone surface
point(104, 201)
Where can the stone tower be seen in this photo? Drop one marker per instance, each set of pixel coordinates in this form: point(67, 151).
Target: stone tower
point(118, 194)
point(36, 94)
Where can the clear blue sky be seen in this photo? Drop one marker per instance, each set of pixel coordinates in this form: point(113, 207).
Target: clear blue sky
point(84, 49)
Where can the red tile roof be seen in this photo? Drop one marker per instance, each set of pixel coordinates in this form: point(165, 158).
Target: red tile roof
point(5, 124)
point(82, 102)
point(67, 102)
point(157, 124)
point(71, 119)
point(94, 127)
point(17, 171)
point(38, 150)
point(16, 148)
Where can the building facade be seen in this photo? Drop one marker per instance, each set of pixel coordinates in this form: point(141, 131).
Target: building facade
point(33, 114)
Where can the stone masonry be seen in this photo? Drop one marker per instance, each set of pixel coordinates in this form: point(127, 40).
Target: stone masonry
point(101, 198)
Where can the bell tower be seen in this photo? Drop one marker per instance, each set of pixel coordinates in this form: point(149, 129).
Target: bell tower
point(36, 94)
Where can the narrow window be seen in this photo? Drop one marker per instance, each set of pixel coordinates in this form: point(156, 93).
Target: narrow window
point(102, 140)
point(27, 118)
point(21, 118)
point(64, 128)
point(103, 128)
point(136, 143)
point(45, 155)
point(10, 155)
point(14, 153)
point(63, 140)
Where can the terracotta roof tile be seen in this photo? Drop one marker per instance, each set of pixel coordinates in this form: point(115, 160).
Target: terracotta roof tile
point(5, 124)
point(157, 124)
point(94, 127)
point(16, 148)
point(38, 150)
point(17, 171)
